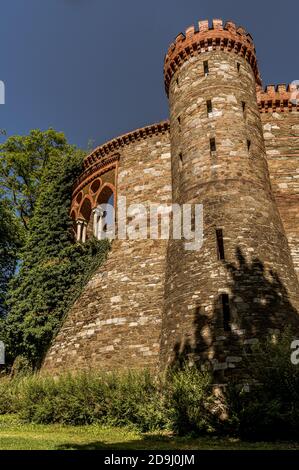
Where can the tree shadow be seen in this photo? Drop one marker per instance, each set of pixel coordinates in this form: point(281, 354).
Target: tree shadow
point(147, 442)
point(158, 442)
point(258, 306)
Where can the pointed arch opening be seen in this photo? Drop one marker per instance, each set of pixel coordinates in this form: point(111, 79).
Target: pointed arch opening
point(85, 210)
point(83, 221)
point(104, 213)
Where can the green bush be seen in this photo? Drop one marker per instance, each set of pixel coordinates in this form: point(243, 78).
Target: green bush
point(8, 396)
point(135, 399)
point(181, 402)
point(191, 401)
point(132, 399)
point(270, 410)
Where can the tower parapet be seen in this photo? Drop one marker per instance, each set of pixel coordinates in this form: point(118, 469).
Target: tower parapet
point(277, 98)
point(206, 38)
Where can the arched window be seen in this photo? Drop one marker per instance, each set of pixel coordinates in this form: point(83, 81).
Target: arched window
point(106, 196)
point(85, 210)
point(104, 215)
point(73, 215)
point(82, 221)
point(79, 198)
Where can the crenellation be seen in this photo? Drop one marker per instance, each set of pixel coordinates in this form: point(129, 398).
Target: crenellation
point(277, 98)
point(217, 24)
point(203, 26)
point(230, 26)
point(190, 31)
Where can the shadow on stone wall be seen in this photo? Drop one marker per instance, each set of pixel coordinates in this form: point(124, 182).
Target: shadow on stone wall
point(259, 305)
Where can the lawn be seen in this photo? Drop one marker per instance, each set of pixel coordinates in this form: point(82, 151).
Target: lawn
point(15, 435)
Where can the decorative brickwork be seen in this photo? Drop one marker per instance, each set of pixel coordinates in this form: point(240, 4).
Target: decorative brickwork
point(276, 99)
point(231, 146)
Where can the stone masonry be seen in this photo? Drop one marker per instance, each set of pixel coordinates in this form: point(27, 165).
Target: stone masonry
point(231, 146)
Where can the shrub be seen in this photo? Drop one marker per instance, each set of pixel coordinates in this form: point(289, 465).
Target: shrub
point(191, 401)
point(270, 410)
point(8, 396)
point(131, 399)
point(136, 398)
point(181, 402)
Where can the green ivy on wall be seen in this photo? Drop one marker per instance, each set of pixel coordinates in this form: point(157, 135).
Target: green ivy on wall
point(53, 269)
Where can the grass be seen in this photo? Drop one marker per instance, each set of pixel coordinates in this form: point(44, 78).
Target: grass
point(15, 435)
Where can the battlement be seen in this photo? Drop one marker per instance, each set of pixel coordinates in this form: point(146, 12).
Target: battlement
point(206, 37)
point(278, 98)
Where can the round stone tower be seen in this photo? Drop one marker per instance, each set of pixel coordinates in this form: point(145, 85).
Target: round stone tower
point(241, 284)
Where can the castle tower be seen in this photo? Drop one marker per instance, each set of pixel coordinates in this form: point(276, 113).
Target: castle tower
point(241, 284)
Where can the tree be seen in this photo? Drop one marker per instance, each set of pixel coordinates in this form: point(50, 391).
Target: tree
point(10, 241)
point(22, 163)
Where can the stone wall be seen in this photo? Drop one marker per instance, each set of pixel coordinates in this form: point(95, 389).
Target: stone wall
point(281, 133)
point(116, 322)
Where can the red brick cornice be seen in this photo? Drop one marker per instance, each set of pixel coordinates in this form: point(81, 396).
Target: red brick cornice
point(209, 38)
point(115, 144)
point(94, 172)
point(107, 155)
point(277, 99)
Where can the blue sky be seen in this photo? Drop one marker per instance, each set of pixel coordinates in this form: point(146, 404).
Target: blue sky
point(94, 68)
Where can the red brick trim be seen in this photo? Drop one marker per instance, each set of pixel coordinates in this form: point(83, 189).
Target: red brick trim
point(97, 171)
point(98, 168)
point(105, 157)
point(113, 145)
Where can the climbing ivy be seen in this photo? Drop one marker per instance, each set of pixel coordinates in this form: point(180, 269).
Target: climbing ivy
point(10, 241)
point(53, 269)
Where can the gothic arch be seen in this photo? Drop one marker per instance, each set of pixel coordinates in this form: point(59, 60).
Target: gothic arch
point(85, 209)
point(74, 214)
point(79, 198)
point(105, 193)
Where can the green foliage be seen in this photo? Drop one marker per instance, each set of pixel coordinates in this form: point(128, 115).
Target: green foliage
point(53, 269)
point(131, 399)
point(270, 410)
point(22, 163)
point(8, 395)
point(10, 240)
point(182, 401)
point(191, 401)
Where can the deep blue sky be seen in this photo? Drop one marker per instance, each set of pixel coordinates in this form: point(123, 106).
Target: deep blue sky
point(94, 68)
